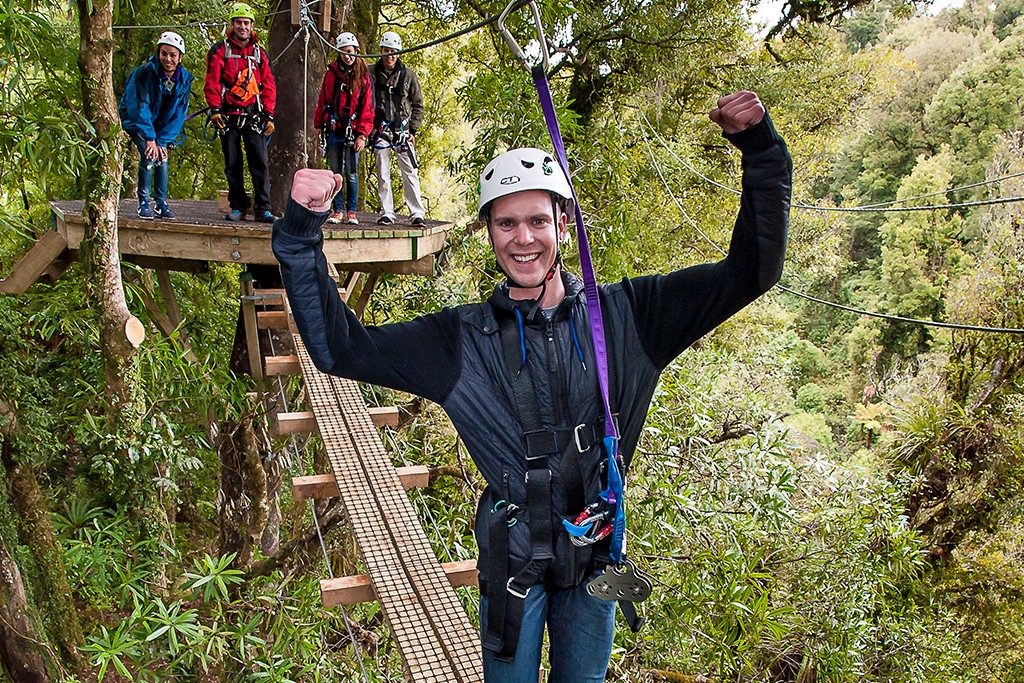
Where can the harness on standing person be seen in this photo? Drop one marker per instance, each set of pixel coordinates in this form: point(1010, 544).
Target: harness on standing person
point(598, 519)
point(245, 87)
point(340, 125)
point(388, 134)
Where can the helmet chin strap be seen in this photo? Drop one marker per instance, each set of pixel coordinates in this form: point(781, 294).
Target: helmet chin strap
point(543, 284)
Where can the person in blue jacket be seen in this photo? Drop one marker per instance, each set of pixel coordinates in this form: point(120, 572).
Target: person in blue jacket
point(153, 110)
point(521, 359)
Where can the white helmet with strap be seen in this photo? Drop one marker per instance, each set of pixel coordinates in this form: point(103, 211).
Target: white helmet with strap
point(173, 39)
point(392, 40)
point(526, 168)
point(346, 39)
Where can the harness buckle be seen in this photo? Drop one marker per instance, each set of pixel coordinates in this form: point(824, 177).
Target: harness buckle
point(576, 437)
point(514, 592)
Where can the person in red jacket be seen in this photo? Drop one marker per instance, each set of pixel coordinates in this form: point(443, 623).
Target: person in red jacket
point(344, 111)
point(241, 93)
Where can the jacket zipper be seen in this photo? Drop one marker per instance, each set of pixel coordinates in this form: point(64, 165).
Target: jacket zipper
point(556, 375)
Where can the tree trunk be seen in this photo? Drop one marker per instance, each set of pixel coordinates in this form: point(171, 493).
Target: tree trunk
point(298, 75)
point(41, 539)
point(21, 643)
point(19, 639)
point(121, 331)
point(243, 489)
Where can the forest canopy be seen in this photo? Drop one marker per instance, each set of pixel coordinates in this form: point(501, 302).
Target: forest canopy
point(828, 487)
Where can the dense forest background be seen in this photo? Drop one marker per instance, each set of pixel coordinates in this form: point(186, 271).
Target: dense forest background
point(821, 493)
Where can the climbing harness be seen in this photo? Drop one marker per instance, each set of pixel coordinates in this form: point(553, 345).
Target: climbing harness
point(603, 518)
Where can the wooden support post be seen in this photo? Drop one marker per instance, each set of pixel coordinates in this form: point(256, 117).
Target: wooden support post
point(350, 590)
point(33, 264)
point(296, 13)
point(350, 285)
point(323, 486)
point(252, 339)
point(305, 422)
point(325, 16)
point(364, 294)
point(167, 294)
point(167, 326)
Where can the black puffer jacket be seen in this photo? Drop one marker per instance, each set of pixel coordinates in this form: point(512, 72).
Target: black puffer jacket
point(454, 357)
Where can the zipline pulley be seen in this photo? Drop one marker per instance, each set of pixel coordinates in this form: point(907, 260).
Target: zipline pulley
point(510, 40)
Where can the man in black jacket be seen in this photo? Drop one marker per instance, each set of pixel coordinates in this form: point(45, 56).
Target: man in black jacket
point(472, 360)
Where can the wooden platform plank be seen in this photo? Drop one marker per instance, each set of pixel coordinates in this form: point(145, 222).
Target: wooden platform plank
point(201, 233)
point(35, 263)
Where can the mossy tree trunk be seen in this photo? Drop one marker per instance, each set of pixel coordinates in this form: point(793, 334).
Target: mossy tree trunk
point(20, 654)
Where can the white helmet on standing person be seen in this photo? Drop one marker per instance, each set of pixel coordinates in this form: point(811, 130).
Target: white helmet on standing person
point(173, 39)
point(526, 168)
point(346, 39)
point(392, 40)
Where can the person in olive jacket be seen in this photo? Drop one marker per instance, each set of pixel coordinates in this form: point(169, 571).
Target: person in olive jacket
point(471, 360)
point(399, 112)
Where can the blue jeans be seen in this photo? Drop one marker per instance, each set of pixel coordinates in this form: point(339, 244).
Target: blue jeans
point(157, 170)
point(337, 150)
point(580, 630)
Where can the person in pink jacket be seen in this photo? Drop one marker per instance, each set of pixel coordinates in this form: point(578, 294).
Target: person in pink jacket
point(344, 111)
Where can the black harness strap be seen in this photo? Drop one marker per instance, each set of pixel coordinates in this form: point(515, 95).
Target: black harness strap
point(505, 611)
point(505, 602)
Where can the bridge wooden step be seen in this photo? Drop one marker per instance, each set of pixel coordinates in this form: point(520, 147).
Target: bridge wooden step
point(305, 422)
point(351, 590)
point(322, 486)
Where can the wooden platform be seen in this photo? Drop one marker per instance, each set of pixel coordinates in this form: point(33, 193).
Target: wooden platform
point(200, 234)
point(434, 635)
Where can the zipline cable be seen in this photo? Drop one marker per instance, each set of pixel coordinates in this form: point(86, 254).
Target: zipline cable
point(851, 309)
point(884, 207)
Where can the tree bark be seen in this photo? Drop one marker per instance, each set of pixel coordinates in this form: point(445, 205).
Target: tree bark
point(21, 642)
point(243, 490)
point(41, 539)
point(102, 178)
point(19, 639)
point(298, 75)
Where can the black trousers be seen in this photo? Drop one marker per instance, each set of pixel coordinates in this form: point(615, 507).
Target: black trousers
point(256, 153)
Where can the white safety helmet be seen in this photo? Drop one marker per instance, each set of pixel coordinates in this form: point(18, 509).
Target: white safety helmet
point(526, 168)
point(346, 39)
point(392, 40)
point(173, 39)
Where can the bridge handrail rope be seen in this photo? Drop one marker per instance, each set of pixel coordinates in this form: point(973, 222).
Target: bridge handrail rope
point(880, 207)
point(851, 309)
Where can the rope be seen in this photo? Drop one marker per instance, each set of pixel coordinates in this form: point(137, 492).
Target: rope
point(305, 98)
point(851, 309)
point(867, 208)
point(430, 43)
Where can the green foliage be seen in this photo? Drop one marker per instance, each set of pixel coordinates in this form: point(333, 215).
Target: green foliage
point(213, 577)
point(978, 104)
point(778, 548)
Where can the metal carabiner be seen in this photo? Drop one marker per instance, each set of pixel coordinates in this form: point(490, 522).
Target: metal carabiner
point(510, 40)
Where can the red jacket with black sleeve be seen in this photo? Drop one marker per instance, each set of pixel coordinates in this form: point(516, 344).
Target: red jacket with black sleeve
point(227, 59)
point(337, 100)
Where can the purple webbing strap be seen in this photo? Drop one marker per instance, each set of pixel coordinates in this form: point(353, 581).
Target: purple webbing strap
point(547, 105)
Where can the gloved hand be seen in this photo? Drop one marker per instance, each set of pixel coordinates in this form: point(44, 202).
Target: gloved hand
point(217, 120)
point(268, 126)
